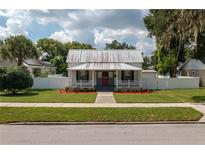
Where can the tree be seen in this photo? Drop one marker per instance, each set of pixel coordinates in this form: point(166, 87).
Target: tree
point(18, 47)
point(58, 61)
point(52, 48)
point(55, 48)
point(147, 62)
point(36, 72)
point(78, 45)
point(117, 45)
point(56, 52)
point(173, 30)
point(15, 79)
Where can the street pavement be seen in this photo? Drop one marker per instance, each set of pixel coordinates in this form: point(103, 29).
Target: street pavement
point(103, 134)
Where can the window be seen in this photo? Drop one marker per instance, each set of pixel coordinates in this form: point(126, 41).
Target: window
point(82, 75)
point(127, 75)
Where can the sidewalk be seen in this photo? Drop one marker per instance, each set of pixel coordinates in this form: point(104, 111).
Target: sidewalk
point(199, 107)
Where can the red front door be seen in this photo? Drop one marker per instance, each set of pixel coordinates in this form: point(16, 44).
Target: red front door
point(105, 80)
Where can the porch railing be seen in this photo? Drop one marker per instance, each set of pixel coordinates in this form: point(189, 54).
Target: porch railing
point(83, 83)
point(121, 83)
point(128, 84)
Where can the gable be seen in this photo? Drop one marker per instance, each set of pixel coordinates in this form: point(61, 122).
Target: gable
point(121, 56)
point(193, 64)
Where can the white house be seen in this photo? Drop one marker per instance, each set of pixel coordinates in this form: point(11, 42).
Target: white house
point(33, 64)
point(193, 68)
point(105, 69)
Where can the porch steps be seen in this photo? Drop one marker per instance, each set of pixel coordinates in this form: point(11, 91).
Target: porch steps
point(105, 97)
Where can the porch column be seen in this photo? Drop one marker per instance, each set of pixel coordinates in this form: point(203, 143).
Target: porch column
point(70, 76)
point(140, 78)
point(116, 79)
point(93, 78)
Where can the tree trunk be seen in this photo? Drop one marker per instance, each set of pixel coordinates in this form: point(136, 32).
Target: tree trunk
point(20, 61)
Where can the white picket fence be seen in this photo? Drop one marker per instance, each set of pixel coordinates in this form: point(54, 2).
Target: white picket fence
point(146, 83)
point(49, 82)
point(170, 83)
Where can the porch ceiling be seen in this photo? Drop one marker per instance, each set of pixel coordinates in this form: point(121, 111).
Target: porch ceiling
point(104, 66)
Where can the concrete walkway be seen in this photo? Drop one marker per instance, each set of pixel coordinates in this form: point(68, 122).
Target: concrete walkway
point(200, 107)
point(105, 97)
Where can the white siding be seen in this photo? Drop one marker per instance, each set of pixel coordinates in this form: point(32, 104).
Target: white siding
point(148, 74)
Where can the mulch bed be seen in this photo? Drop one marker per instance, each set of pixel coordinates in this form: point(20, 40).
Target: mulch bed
point(144, 92)
point(62, 91)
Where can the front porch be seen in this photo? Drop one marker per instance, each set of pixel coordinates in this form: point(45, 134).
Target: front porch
point(105, 80)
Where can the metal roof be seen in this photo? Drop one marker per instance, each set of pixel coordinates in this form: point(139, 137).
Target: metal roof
point(104, 66)
point(87, 55)
point(36, 62)
point(193, 64)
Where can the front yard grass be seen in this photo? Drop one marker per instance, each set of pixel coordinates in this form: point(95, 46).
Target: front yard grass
point(47, 96)
point(45, 114)
point(164, 96)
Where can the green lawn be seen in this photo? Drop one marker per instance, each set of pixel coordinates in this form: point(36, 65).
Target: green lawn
point(42, 114)
point(167, 96)
point(48, 96)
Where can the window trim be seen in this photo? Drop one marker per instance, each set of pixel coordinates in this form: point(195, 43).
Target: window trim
point(79, 77)
point(131, 76)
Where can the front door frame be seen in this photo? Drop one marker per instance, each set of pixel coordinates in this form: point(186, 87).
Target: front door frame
point(99, 81)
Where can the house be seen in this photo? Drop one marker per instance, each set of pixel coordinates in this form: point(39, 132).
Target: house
point(31, 64)
point(104, 69)
point(149, 74)
point(44, 67)
point(193, 68)
point(7, 62)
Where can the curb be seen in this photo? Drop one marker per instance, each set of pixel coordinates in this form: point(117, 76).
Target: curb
point(103, 123)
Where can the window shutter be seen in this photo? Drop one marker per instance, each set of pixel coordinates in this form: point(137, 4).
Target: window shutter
point(77, 75)
point(132, 75)
point(122, 75)
point(87, 75)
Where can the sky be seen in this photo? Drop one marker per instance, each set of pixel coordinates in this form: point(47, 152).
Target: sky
point(96, 27)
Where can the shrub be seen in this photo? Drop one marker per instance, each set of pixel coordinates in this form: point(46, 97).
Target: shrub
point(67, 89)
point(36, 72)
point(116, 90)
point(76, 89)
point(13, 80)
point(93, 89)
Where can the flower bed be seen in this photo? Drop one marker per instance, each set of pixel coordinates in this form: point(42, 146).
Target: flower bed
point(124, 92)
point(132, 91)
point(62, 91)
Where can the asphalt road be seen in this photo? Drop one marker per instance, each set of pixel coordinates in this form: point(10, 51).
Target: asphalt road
point(103, 134)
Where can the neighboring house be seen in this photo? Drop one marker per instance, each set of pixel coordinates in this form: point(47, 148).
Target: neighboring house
point(105, 69)
point(149, 74)
point(193, 68)
point(44, 67)
point(31, 64)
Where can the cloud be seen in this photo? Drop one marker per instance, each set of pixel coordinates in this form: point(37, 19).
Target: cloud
point(61, 36)
point(147, 46)
point(16, 23)
point(95, 27)
point(103, 36)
